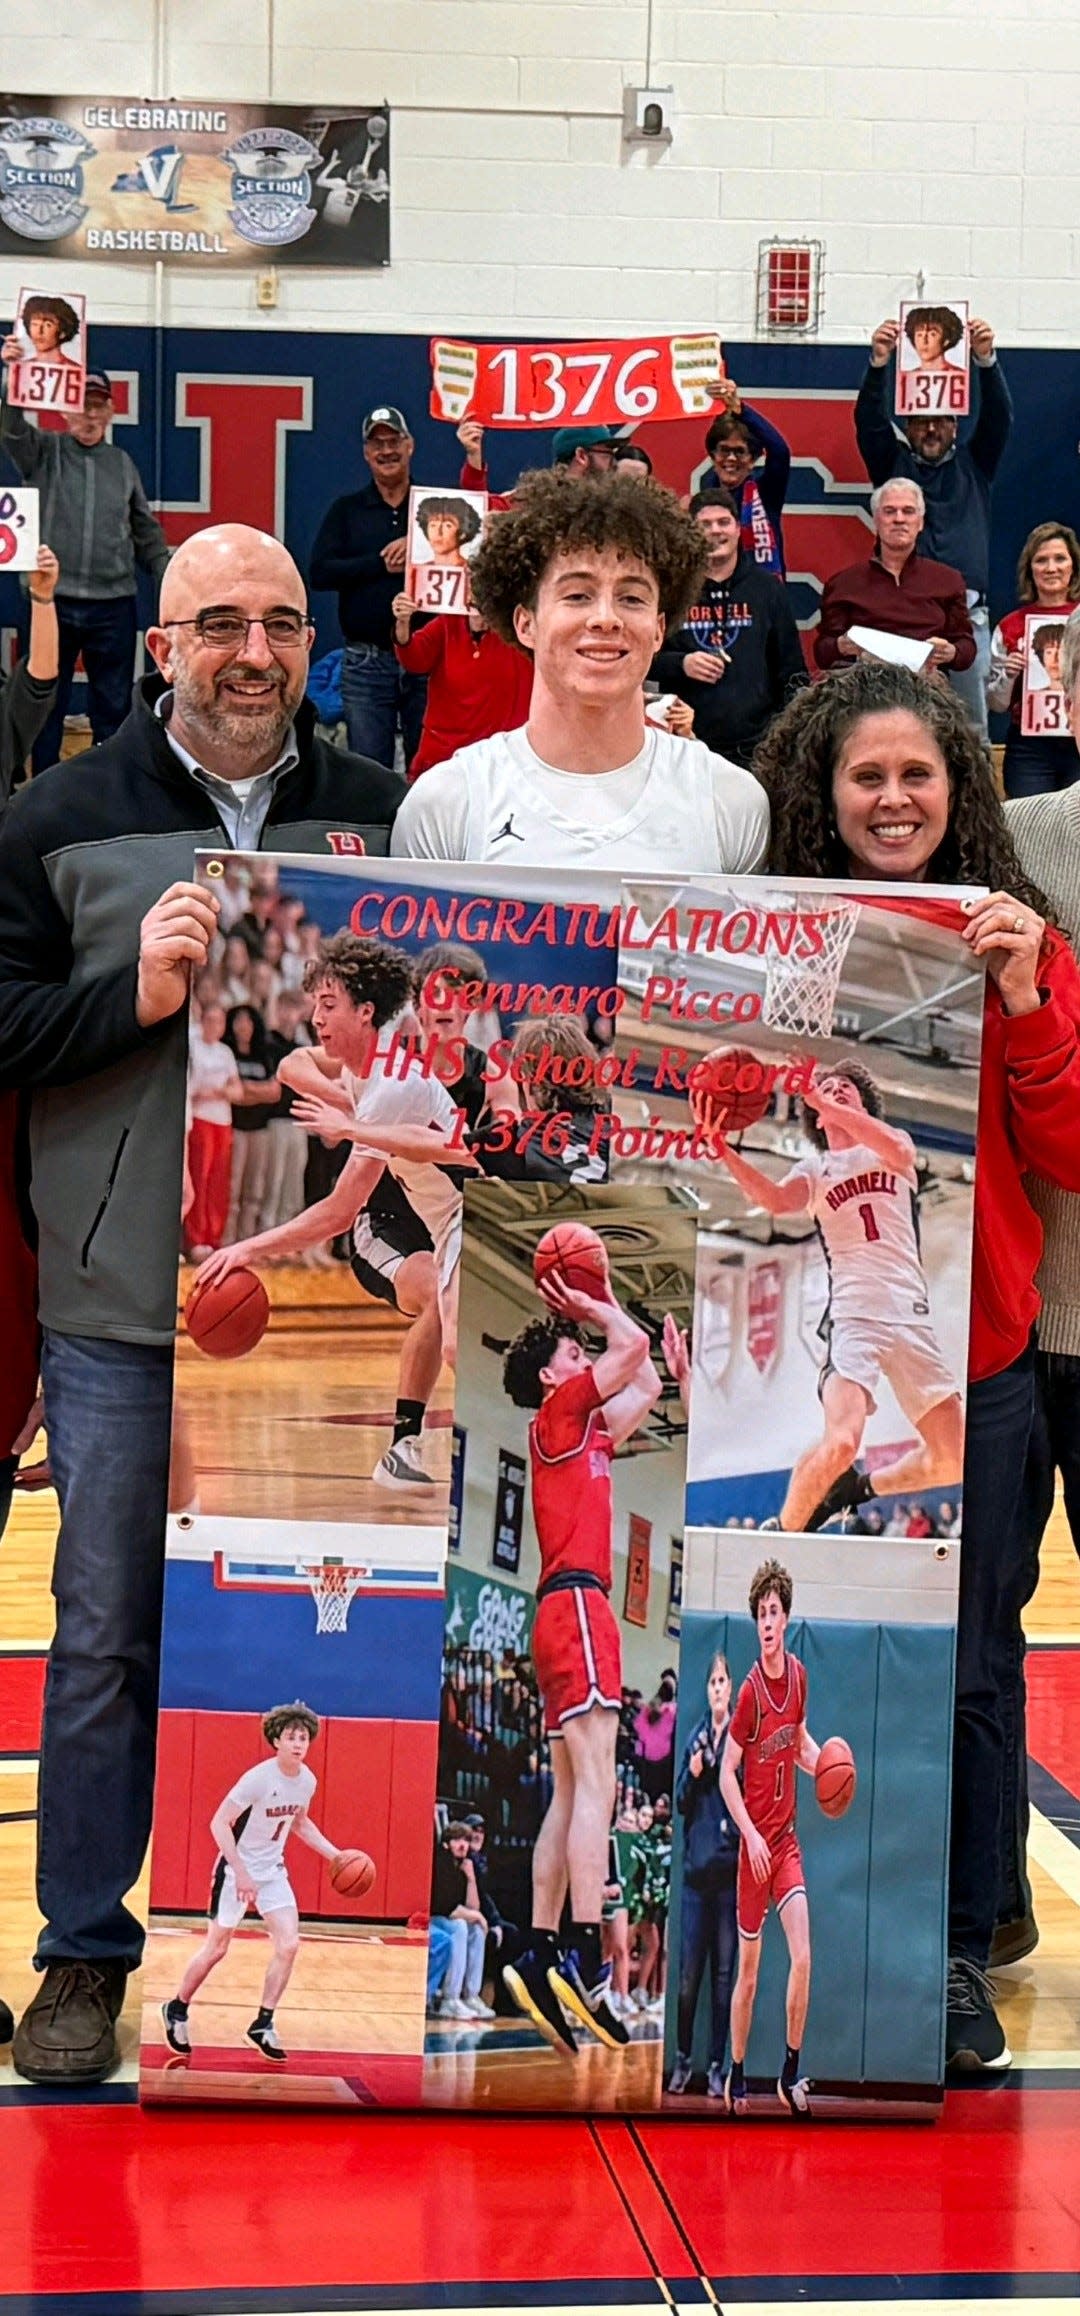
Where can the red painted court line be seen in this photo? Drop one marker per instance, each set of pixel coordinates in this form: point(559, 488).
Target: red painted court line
point(215, 2201)
point(392, 2081)
point(995, 2187)
point(22, 1686)
point(649, 2210)
point(1053, 1687)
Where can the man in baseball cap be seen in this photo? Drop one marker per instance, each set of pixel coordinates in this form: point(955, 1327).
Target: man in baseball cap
point(386, 415)
point(361, 552)
point(584, 449)
point(100, 527)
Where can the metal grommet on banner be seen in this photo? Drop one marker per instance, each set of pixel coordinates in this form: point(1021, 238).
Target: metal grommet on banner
point(215, 868)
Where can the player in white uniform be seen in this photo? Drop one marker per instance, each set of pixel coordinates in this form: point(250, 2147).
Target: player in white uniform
point(859, 1185)
point(251, 1828)
point(399, 1115)
point(586, 574)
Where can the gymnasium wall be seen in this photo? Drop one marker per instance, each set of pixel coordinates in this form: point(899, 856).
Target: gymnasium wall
point(936, 138)
point(262, 426)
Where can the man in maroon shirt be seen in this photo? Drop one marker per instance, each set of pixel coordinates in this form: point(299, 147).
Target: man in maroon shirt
point(897, 590)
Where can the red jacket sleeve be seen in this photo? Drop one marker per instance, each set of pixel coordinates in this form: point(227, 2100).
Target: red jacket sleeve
point(476, 478)
point(1042, 1064)
point(424, 650)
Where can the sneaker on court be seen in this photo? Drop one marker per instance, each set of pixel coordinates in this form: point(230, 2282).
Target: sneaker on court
point(402, 1468)
point(454, 2007)
point(793, 2091)
point(851, 1489)
point(526, 1982)
point(267, 2040)
point(7, 2023)
point(477, 2007)
point(973, 2030)
point(680, 2077)
point(590, 2005)
point(68, 2032)
point(715, 2085)
point(175, 2022)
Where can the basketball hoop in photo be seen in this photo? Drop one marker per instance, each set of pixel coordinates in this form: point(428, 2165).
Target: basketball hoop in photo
point(334, 1586)
point(802, 985)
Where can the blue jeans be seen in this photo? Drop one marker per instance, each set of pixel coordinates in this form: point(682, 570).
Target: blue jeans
point(377, 694)
point(988, 1735)
point(105, 635)
point(1055, 1447)
point(1034, 767)
point(108, 1408)
point(708, 1935)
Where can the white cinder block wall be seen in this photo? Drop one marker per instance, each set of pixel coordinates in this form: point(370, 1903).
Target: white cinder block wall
point(941, 137)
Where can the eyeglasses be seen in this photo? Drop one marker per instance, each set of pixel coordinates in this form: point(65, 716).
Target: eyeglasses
point(732, 454)
point(228, 630)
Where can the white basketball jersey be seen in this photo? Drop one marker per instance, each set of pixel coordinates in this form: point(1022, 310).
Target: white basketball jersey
point(676, 807)
point(866, 1216)
point(268, 1803)
point(412, 1099)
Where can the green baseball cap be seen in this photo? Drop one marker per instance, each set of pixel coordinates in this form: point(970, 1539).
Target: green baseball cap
point(571, 438)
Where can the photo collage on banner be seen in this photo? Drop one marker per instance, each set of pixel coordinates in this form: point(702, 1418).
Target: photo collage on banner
point(650, 1212)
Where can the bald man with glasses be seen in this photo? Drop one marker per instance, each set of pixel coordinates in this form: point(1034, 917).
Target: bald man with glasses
point(101, 928)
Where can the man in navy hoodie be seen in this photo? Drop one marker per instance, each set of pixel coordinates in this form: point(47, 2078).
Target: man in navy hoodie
point(956, 479)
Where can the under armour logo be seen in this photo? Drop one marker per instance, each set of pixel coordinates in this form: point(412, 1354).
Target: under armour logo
point(344, 841)
point(508, 829)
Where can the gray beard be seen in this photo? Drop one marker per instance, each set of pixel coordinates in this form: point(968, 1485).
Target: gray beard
point(252, 739)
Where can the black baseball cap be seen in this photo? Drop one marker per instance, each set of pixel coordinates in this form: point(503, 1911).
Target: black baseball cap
point(385, 415)
point(99, 382)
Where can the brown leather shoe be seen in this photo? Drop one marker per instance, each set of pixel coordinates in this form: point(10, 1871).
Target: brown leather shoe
point(68, 2033)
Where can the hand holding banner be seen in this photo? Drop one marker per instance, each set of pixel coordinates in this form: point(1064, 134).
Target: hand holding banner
point(606, 382)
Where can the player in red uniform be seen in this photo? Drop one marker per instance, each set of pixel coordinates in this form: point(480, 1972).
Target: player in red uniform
point(586, 1407)
point(769, 1739)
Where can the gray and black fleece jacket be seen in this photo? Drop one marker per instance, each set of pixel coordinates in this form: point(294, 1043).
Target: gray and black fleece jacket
point(85, 851)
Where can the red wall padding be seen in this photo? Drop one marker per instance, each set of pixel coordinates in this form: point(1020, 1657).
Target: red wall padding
point(376, 1792)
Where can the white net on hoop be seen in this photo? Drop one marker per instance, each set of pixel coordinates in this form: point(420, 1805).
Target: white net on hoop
point(334, 1588)
point(801, 990)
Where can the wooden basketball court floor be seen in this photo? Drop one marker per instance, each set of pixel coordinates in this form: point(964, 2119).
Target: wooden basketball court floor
point(113, 2210)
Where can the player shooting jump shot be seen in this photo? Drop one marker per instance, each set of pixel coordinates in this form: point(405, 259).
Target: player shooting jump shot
point(859, 1185)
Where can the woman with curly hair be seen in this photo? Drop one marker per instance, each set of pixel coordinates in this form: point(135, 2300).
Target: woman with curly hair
point(1047, 579)
point(879, 775)
point(586, 575)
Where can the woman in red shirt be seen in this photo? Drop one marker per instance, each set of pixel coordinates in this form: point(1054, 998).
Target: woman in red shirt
point(477, 684)
point(878, 774)
point(1047, 579)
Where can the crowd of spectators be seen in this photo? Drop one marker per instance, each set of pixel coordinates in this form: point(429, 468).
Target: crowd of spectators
point(495, 1782)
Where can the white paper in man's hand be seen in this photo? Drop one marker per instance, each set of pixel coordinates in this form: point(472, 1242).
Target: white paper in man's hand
point(19, 533)
point(895, 650)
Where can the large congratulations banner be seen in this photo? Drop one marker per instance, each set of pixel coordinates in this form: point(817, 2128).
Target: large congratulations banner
point(566, 1502)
